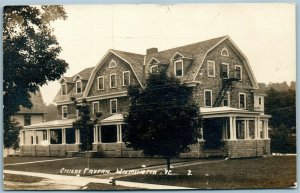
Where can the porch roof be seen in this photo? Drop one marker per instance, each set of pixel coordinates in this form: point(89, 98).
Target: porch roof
point(52, 124)
point(227, 111)
point(114, 118)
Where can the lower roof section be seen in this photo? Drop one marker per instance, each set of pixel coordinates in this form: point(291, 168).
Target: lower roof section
point(213, 112)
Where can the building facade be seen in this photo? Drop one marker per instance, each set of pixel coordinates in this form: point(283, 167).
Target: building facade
point(224, 86)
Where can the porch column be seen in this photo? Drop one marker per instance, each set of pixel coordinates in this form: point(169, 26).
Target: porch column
point(48, 136)
point(34, 137)
point(224, 129)
point(256, 127)
point(63, 131)
point(246, 129)
point(99, 134)
point(119, 134)
point(77, 136)
point(232, 121)
point(120, 127)
point(21, 138)
point(201, 133)
point(266, 128)
point(96, 134)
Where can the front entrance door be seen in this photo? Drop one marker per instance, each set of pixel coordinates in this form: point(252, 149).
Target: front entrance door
point(212, 133)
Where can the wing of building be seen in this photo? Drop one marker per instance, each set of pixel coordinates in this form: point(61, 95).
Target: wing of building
point(223, 85)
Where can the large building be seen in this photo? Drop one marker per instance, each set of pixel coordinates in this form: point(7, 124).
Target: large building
point(223, 85)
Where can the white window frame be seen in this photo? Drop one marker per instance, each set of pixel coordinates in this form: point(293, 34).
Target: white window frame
point(241, 71)
point(94, 107)
point(124, 78)
point(153, 66)
point(112, 64)
point(228, 97)
point(223, 63)
point(110, 107)
point(245, 102)
point(114, 74)
point(80, 87)
point(62, 112)
point(98, 81)
point(66, 89)
point(175, 69)
point(214, 68)
point(205, 90)
point(227, 55)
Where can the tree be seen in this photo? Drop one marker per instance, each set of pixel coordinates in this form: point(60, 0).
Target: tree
point(162, 119)
point(30, 58)
point(85, 124)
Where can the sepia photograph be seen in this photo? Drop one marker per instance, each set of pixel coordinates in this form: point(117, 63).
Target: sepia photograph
point(131, 97)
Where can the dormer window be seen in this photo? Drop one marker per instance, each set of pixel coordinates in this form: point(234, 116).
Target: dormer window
point(112, 64)
point(78, 86)
point(224, 52)
point(178, 68)
point(154, 68)
point(64, 89)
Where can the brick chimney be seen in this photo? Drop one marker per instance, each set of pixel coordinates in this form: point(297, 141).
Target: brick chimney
point(151, 51)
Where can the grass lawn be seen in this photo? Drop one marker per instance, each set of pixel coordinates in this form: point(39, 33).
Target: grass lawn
point(54, 167)
point(97, 186)
point(17, 159)
point(22, 178)
point(268, 172)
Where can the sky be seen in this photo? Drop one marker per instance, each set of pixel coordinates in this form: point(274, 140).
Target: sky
point(265, 33)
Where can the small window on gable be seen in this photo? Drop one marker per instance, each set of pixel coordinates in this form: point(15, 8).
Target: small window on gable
point(64, 112)
point(211, 68)
point(207, 98)
point(64, 89)
point(126, 78)
point(78, 86)
point(154, 68)
point(178, 68)
point(100, 82)
point(224, 52)
point(112, 64)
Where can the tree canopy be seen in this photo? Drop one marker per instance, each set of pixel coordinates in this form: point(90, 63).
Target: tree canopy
point(162, 119)
point(30, 58)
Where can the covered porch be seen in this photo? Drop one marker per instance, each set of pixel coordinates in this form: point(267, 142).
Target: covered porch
point(237, 132)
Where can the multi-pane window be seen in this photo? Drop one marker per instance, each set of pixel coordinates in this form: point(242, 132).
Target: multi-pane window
point(178, 68)
point(113, 81)
point(226, 100)
point(27, 120)
point(113, 106)
point(208, 98)
point(126, 78)
point(242, 100)
point(78, 86)
point(64, 112)
point(100, 82)
point(240, 129)
point(63, 89)
point(238, 72)
point(224, 70)
point(154, 69)
point(112, 64)
point(95, 107)
point(210, 68)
